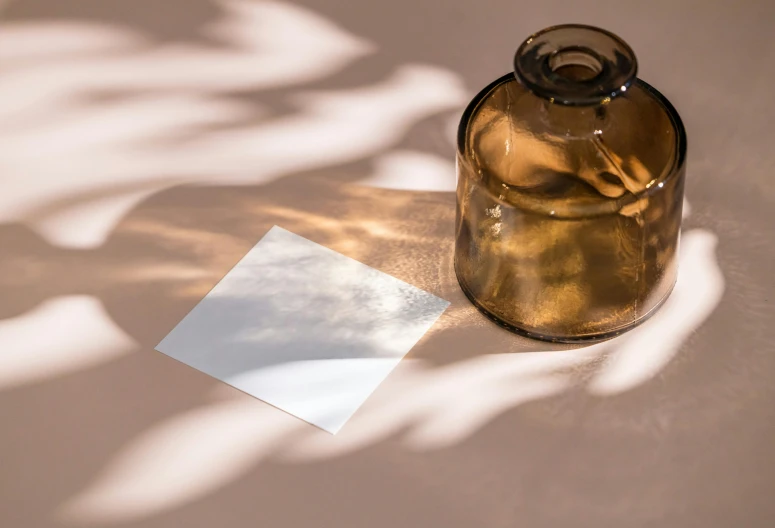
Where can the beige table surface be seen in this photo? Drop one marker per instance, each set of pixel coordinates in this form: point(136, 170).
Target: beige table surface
point(145, 145)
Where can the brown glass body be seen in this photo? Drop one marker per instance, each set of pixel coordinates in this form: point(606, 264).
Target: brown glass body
point(574, 237)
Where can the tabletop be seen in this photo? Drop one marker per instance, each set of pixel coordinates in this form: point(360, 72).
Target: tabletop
point(145, 146)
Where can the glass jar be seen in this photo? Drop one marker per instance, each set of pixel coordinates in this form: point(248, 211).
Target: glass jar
point(570, 189)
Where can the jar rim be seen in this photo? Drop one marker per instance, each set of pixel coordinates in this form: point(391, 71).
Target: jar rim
point(607, 58)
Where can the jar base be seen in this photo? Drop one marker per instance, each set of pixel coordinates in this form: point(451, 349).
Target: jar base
point(586, 338)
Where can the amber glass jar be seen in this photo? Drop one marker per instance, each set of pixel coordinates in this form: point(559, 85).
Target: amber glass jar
point(570, 188)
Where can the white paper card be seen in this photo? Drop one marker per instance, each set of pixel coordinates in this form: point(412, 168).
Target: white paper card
point(303, 328)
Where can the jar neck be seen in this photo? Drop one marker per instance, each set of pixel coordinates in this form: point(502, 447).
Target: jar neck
point(575, 65)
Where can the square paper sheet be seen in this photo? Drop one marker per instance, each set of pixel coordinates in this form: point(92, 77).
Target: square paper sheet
point(303, 328)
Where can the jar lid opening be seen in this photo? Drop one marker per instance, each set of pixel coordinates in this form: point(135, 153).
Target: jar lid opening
point(575, 65)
